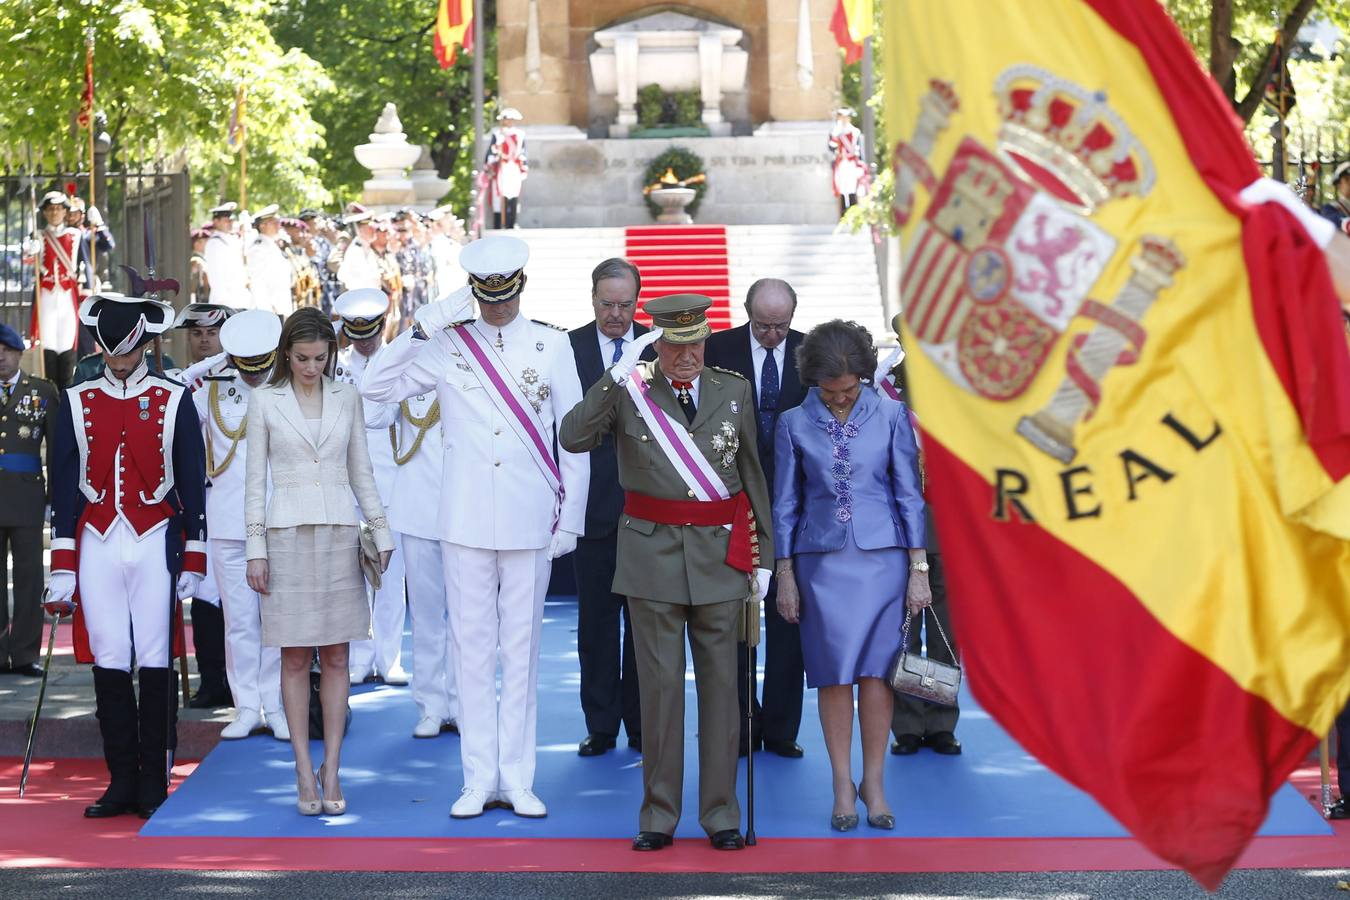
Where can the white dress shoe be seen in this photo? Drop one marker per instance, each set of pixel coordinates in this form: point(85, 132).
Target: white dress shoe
point(276, 720)
point(470, 803)
point(524, 803)
point(428, 727)
point(397, 675)
point(245, 720)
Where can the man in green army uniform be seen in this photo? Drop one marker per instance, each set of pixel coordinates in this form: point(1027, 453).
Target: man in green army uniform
point(694, 528)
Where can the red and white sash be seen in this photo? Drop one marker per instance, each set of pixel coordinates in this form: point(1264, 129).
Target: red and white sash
point(506, 395)
point(678, 445)
point(63, 256)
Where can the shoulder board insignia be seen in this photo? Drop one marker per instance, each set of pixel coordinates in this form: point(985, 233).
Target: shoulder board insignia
point(548, 325)
point(727, 372)
point(459, 323)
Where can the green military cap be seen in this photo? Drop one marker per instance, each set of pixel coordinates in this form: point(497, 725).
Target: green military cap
point(682, 318)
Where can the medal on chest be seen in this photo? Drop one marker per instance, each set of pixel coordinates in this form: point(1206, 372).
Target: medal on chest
point(145, 408)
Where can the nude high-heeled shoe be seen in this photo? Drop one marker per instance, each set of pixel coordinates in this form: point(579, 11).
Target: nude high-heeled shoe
point(308, 807)
point(331, 807)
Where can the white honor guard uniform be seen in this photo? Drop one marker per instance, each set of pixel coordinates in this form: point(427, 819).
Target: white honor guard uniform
point(250, 340)
point(128, 535)
point(362, 313)
point(503, 516)
point(360, 266)
point(224, 256)
point(56, 250)
point(445, 252)
point(269, 269)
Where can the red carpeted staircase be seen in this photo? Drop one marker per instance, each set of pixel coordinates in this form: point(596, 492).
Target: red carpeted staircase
point(682, 259)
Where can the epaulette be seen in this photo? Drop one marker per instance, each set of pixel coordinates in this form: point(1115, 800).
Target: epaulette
point(548, 325)
point(727, 372)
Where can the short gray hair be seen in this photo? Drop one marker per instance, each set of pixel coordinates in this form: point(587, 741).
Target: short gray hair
point(616, 267)
point(833, 349)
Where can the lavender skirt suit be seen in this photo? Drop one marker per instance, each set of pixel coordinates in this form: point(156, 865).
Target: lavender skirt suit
point(847, 503)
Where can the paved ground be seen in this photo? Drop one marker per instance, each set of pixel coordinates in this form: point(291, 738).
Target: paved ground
point(116, 885)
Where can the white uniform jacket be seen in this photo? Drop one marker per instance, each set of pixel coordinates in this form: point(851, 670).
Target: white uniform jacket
point(270, 273)
point(360, 267)
point(226, 272)
point(222, 405)
point(414, 506)
point(351, 368)
point(311, 484)
point(493, 495)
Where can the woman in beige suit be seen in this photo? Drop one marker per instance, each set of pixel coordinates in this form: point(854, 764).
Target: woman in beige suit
point(303, 545)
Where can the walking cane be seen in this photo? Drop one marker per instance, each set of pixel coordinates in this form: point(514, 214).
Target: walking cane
point(751, 624)
point(1324, 761)
point(42, 692)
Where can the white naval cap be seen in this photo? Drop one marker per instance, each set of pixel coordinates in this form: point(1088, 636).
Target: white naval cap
point(251, 337)
point(495, 265)
point(229, 208)
point(362, 311)
point(270, 211)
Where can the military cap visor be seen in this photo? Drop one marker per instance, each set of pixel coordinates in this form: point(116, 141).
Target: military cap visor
point(682, 318)
point(496, 267)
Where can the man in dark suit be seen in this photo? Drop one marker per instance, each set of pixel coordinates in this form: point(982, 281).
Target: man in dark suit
point(609, 681)
point(764, 350)
point(27, 416)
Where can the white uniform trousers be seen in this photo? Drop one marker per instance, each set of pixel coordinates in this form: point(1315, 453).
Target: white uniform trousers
point(388, 612)
point(126, 596)
point(254, 671)
point(433, 678)
point(496, 600)
point(209, 590)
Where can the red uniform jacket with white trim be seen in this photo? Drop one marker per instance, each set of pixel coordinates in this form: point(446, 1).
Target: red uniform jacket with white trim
point(159, 475)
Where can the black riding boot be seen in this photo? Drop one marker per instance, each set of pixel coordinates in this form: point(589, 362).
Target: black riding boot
point(208, 644)
point(159, 734)
point(116, 712)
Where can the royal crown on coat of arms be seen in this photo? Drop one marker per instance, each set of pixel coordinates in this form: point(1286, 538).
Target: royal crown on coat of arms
point(1006, 254)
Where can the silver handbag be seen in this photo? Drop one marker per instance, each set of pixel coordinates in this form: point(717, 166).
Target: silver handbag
point(919, 676)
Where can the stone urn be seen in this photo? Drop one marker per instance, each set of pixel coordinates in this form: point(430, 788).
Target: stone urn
point(388, 156)
point(428, 187)
point(673, 202)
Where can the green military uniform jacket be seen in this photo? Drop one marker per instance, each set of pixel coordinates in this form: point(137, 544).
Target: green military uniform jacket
point(28, 418)
point(676, 563)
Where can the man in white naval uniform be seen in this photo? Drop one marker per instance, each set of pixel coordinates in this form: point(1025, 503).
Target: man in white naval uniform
point(360, 266)
point(224, 255)
point(362, 312)
point(250, 341)
point(508, 504)
point(269, 269)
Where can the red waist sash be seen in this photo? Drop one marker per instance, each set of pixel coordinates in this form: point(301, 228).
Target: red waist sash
point(742, 548)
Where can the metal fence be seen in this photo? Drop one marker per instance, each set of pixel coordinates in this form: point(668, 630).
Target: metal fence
point(133, 204)
point(1311, 154)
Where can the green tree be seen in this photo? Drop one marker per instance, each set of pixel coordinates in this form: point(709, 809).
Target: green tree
point(381, 51)
point(166, 73)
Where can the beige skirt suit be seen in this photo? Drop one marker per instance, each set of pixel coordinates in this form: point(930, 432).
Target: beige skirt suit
point(307, 529)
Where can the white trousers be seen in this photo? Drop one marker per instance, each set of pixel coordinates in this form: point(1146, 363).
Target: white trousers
point(254, 670)
point(57, 319)
point(125, 597)
point(209, 590)
point(496, 600)
point(433, 679)
point(383, 653)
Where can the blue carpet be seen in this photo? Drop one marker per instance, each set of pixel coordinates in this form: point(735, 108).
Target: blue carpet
point(400, 787)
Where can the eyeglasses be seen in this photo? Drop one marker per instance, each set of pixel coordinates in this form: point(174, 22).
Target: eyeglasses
point(610, 306)
point(776, 327)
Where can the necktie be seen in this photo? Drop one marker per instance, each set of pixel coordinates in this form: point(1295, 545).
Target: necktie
point(618, 351)
point(682, 390)
point(768, 399)
point(4, 395)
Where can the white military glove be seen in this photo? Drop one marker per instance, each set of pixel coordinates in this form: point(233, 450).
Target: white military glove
point(453, 307)
point(884, 367)
point(629, 358)
point(563, 543)
point(60, 594)
point(188, 582)
point(762, 583)
point(94, 217)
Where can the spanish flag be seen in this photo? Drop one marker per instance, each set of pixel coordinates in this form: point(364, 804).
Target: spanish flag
point(1135, 389)
point(851, 24)
point(454, 28)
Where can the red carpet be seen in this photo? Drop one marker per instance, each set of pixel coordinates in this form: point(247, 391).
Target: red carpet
point(45, 829)
point(682, 259)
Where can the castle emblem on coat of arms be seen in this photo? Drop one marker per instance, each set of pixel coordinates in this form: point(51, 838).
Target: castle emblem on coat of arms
point(1007, 254)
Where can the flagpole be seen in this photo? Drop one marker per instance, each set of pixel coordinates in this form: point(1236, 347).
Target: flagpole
point(478, 54)
point(243, 150)
point(93, 238)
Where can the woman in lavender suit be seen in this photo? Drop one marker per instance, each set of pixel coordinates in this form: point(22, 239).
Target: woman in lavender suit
point(848, 522)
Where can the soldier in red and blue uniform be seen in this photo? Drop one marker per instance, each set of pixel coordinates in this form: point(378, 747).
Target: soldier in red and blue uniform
point(128, 539)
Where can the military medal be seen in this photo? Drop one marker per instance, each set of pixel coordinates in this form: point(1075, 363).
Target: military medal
point(539, 345)
point(735, 407)
point(230, 392)
point(145, 409)
point(25, 432)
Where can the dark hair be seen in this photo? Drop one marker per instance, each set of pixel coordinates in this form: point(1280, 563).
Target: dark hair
point(616, 267)
point(308, 323)
point(769, 282)
point(833, 349)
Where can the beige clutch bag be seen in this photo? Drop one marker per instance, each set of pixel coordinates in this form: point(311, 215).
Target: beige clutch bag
point(369, 556)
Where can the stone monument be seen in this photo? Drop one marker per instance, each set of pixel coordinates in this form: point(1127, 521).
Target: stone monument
point(388, 156)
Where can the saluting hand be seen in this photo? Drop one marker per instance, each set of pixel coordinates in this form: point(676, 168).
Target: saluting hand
point(896, 357)
point(631, 354)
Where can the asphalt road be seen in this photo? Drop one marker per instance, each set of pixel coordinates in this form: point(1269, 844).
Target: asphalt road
point(111, 884)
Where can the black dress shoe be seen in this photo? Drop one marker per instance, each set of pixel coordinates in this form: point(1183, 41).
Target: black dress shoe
point(211, 698)
point(729, 839)
point(906, 745)
point(943, 742)
point(594, 745)
point(652, 840)
point(785, 749)
point(1339, 810)
point(28, 670)
point(635, 742)
point(146, 810)
point(106, 809)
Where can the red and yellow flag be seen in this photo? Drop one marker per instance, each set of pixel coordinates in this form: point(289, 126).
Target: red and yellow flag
point(851, 24)
point(1135, 392)
point(454, 28)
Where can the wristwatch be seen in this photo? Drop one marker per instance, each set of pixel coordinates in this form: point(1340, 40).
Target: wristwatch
point(918, 567)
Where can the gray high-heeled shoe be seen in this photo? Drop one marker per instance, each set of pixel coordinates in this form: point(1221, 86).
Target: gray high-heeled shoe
point(847, 821)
